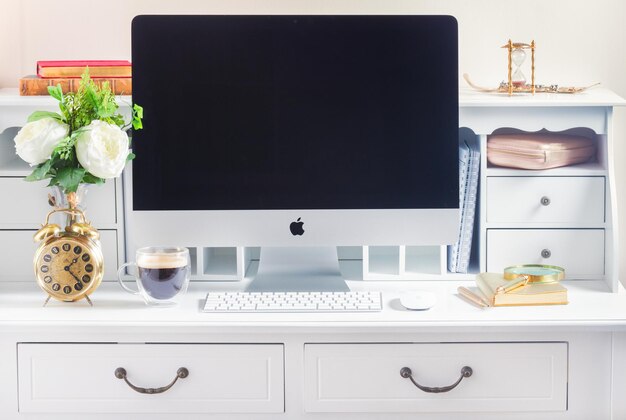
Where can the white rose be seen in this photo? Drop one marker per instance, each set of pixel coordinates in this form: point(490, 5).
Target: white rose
point(36, 140)
point(102, 149)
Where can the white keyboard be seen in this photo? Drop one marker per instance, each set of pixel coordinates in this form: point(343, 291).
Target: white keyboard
point(293, 302)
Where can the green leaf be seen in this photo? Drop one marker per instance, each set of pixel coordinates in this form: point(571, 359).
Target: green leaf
point(118, 120)
point(130, 156)
point(41, 172)
point(38, 115)
point(92, 179)
point(56, 92)
point(137, 124)
point(138, 110)
point(137, 117)
point(69, 178)
point(85, 79)
point(65, 148)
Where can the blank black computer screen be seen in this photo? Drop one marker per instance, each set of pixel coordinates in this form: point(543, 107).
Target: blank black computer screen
point(295, 112)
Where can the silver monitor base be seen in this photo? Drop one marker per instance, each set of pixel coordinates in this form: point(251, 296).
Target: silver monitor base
point(298, 269)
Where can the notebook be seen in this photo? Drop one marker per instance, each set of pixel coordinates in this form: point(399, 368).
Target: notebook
point(469, 169)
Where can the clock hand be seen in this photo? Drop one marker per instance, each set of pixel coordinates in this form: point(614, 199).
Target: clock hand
point(67, 268)
point(74, 275)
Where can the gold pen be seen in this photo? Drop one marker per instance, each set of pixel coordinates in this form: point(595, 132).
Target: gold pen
point(472, 297)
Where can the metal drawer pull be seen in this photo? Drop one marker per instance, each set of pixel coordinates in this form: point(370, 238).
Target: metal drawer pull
point(546, 253)
point(466, 372)
point(545, 201)
point(182, 373)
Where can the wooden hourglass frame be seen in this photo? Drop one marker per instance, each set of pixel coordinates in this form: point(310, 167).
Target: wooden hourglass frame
point(511, 46)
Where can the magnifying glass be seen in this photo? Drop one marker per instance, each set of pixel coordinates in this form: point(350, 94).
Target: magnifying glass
point(530, 273)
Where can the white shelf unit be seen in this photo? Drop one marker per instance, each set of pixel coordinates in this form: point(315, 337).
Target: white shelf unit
point(588, 114)
point(584, 234)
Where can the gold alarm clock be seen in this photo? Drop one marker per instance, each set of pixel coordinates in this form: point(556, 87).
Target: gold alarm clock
point(68, 263)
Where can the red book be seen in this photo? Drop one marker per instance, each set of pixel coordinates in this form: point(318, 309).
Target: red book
point(75, 68)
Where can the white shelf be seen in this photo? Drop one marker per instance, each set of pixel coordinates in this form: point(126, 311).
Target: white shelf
point(423, 260)
point(219, 261)
point(583, 169)
point(381, 262)
point(596, 97)
point(11, 97)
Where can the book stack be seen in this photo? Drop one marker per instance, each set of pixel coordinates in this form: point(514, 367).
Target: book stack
point(118, 73)
point(494, 286)
point(469, 167)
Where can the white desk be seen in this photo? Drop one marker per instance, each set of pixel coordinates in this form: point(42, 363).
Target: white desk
point(556, 362)
point(591, 333)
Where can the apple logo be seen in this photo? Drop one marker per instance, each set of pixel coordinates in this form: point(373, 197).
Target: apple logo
point(296, 227)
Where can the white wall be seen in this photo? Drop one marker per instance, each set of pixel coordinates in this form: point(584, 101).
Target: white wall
point(578, 41)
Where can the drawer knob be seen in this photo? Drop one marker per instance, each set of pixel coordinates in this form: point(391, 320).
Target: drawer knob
point(466, 372)
point(545, 201)
point(120, 373)
point(546, 253)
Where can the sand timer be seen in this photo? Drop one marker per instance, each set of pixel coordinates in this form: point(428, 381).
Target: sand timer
point(517, 57)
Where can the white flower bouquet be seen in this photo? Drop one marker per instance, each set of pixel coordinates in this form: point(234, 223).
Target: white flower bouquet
point(86, 143)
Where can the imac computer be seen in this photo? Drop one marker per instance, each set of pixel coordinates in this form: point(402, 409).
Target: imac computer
point(297, 134)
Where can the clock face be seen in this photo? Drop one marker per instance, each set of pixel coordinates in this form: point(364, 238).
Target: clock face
point(69, 267)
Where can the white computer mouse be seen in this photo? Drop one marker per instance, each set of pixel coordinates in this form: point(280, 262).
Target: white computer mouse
point(418, 300)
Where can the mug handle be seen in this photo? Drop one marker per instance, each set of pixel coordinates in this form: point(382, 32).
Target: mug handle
point(120, 275)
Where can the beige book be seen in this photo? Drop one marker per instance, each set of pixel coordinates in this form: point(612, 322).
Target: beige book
point(531, 294)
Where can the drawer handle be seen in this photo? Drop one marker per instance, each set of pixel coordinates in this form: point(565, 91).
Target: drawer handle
point(466, 372)
point(182, 373)
point(546, 253)
point(545, 201)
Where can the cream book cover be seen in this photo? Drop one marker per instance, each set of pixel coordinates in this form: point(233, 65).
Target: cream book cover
point(531, 294)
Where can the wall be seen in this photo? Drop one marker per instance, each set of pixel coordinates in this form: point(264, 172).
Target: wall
point(578, 41)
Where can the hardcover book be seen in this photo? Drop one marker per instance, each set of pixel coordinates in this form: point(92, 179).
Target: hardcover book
point(33, 85)
point(530, 294)
point(75, 68)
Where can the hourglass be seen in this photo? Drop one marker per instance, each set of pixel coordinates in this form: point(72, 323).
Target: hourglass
point(517, 57)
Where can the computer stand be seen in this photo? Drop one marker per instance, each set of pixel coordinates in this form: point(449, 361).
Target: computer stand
point(298, 269)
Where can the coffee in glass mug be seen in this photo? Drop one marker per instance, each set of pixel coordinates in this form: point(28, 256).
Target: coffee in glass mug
point(162, 274)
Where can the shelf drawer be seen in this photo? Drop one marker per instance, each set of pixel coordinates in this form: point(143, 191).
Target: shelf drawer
point(28, 204)
point(558, 200)
point(17, 250)
point(579, 251)
point(366, 377)
point(80, 378)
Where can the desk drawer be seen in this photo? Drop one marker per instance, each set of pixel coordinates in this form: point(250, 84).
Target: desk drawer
point(579, 251)
point(366, 377)
point(28, 204)
point(532, 199)
point(79, 378)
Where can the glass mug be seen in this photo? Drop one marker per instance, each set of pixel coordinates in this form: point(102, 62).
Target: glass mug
point(162, 274)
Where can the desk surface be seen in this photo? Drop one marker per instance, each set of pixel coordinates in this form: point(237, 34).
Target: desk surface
point(591, 306)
